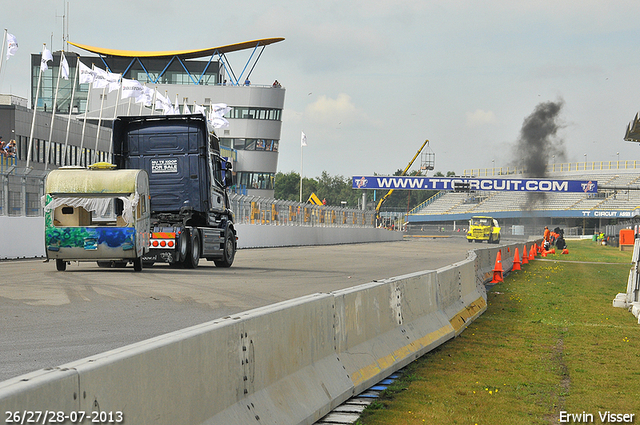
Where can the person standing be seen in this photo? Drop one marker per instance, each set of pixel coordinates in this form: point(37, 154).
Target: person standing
point(546, 237)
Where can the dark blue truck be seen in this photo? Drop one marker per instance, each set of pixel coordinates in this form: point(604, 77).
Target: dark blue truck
point(190, 211)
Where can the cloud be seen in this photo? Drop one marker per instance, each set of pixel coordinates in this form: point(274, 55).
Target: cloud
point(480, 117)
point(334, 111)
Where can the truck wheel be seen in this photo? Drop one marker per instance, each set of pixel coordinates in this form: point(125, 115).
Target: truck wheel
point(183, 246)
point(137, 264)
point(228, 250)
point(104, 264)
point(469, 240)
point(490, 239)
point(61, 265)
point(193, 253)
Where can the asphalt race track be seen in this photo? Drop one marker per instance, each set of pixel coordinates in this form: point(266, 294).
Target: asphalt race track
point(48, 318)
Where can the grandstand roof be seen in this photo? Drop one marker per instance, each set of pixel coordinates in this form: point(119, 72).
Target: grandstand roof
point(182, 54)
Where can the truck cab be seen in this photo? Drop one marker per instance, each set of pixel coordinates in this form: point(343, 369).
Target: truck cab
point(188, 180)
point(483, 229)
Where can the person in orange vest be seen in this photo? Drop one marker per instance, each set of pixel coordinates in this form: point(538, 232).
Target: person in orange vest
point(546, 237)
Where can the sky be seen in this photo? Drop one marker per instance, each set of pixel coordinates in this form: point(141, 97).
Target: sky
point(369, 81)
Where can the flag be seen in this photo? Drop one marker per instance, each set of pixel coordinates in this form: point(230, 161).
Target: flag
point(100, 80)
point(146, 96)
point(87, 75)
point(164, 103)
point(186, 110)
point(303, 139)
point(216, 115)
point(114, 81)
point(12, 45)
point(46, 57)
point(64, 68)
point(199, 109)
point(131, 88)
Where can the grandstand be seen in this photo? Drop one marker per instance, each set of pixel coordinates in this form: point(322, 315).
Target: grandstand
point(618, 197)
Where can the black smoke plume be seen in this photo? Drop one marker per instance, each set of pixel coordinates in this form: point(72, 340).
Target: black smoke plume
point(538, 143)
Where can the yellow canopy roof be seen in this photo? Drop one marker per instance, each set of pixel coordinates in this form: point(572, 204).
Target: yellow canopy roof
point(182, 54)
point(82, 181)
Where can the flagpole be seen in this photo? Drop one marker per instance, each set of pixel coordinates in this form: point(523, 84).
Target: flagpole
point(115, 115)
point(95, 152)
point(33, 106)
point(301, 150)
point(4, 44)
point(53, 114)
point(84, 123)
point(129, 106)
point(73, 93)
point(153, 101)
point(142, 103)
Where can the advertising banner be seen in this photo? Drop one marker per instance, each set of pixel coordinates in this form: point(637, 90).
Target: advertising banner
point(472, 183)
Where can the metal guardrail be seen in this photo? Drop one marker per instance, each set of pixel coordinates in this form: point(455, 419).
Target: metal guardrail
point(20, 195)
point(269, 211)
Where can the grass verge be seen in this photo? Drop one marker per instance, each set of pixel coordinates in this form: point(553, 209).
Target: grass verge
point(550, 341)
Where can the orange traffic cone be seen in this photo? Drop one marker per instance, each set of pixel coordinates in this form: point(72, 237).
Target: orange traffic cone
point(551, 251)
point(565, 251)
point(532, 252)
point(525, 259)
point(516, 260)
point(497, 269)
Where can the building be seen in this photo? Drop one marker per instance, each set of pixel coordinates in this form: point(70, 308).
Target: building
point(190, 77)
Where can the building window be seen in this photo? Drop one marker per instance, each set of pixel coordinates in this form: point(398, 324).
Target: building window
point(240, 112)
point(252, 180)
point(268, 145)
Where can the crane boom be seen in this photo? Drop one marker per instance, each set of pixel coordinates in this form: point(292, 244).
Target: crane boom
point(384, 198)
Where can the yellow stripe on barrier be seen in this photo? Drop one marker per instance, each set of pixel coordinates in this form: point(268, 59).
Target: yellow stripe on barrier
point(473, 310)
point(387, 361)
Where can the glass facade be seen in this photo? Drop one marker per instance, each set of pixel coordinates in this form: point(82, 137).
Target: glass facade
point(254, 180)
point(268, 145)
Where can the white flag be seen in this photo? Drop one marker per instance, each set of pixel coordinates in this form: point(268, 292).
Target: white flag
point(12, 45)
point(303, 139)
point(87, 75)
point(106, 79)
point(216, 115)
point(131, 88)
point(100, 79)
point(164, 103)
point(46, 57)
point(146, 96)
point(64, 67)
point(199, 109)
point(186, 110)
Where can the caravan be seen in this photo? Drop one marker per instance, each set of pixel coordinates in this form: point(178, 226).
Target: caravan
point(98, 214)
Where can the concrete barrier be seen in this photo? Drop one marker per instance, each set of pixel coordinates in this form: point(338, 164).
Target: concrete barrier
point(382, 326)
point(291, 362)
point(23, 237)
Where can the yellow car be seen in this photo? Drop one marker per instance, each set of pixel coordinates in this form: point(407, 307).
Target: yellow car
point(483, 229)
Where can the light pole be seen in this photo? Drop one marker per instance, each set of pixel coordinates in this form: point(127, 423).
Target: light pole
point(585, 162)
point(618, 160)
point(493, 167)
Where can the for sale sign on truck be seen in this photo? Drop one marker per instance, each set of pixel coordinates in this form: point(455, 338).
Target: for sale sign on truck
point(164, 165)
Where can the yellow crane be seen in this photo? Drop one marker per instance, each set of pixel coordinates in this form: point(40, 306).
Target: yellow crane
point(429, 166)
